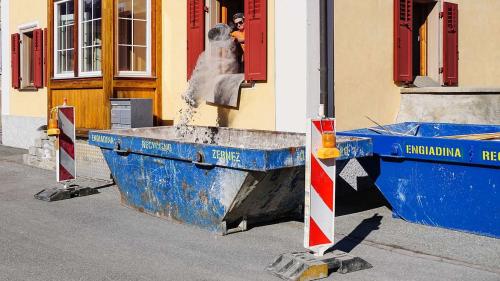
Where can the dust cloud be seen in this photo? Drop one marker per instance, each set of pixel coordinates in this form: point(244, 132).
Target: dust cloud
point(221, 57)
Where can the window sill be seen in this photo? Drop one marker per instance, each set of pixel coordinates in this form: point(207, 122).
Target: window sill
point(83, 76)
point(247, 85)
point(28, 89)
point(77, 78)
point(64, 78)
point(132, 77)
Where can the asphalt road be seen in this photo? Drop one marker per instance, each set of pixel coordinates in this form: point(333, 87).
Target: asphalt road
point(95, 238)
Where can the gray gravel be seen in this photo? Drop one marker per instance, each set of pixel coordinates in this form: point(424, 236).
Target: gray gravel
point(95, 238)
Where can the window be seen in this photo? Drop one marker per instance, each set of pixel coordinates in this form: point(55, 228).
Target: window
point(90, 43)
point(134, 37)
point(255, 48)
point(27, 64)
point(81, 34)
point(89, 46)
point(64, 22)
point(417, 41)
point(27, 58)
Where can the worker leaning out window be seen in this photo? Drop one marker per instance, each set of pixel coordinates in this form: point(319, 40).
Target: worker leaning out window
point(239, 35)
point(239, 32)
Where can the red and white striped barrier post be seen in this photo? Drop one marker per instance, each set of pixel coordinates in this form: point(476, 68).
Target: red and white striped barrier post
point(63, 127)
point(320, 190)
point(319, 211)
point(65, 153)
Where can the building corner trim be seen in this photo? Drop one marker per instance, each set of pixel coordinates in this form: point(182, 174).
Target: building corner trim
point(6, 73)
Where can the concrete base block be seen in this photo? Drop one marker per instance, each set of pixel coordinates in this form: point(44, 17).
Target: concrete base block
point(304, 266)
point(38, 143)
point(32, 150)
point(42, 154)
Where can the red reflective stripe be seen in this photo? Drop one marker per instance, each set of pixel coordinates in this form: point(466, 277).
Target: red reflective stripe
point(64, 174)
point(69, 113)
point(321, 182)
point(195, 33)
point(316, 236)
point(403, 41)
point(325, 127)
point(38, 58)
point(67, 145)
point(65, 140)
point(256, 40)
point(15, 61)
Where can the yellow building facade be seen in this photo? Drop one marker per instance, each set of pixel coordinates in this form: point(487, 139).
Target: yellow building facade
point(364, 38)
point(363, 60)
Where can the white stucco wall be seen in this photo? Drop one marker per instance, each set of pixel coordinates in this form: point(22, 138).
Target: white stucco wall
point(297, 63)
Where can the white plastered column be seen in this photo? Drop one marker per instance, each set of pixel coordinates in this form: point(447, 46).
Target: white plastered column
point(297, 63)
point(6, 72)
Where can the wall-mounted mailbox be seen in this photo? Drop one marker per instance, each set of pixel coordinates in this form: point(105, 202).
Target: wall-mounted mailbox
point(131, 113)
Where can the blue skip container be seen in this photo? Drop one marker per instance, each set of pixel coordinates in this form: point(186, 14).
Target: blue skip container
point(219, 179)
point(445, 175)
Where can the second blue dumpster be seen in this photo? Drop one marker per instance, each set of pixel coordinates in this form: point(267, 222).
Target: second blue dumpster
point(437, 174)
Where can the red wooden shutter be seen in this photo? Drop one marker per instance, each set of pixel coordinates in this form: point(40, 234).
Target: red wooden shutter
point(450, 44)
point(38, 58)
point(403, 42)
point(256, 40)
point(195, 33)
point(15, 60)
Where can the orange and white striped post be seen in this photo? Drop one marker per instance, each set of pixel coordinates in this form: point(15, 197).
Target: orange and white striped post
point(320, 187)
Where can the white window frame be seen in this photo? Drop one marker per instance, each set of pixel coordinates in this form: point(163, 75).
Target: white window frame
point(130, 73)
point(67, 74)
point(82, 73)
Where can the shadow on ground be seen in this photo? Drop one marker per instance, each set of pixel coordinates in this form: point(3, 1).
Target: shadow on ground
point(358, 234)
point(366, 197)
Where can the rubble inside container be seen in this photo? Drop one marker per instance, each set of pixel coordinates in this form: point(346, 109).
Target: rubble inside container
point(252, 139)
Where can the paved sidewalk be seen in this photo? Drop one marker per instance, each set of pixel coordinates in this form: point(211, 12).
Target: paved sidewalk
point(95, 238)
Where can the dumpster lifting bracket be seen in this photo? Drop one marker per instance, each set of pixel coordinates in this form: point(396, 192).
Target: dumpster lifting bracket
point(243, 226)
point(302, 266)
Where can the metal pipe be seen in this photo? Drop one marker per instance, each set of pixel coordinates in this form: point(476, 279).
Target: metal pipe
point(331, 62)
point(327, 92)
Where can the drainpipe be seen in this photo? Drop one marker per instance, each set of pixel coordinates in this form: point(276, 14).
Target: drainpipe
point(331, 47)
point(326, 59)
point(323, 67)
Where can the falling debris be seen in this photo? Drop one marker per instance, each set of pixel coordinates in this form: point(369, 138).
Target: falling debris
point(220, 59)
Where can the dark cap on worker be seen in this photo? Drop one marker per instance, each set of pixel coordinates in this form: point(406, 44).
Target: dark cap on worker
point(238, 16)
